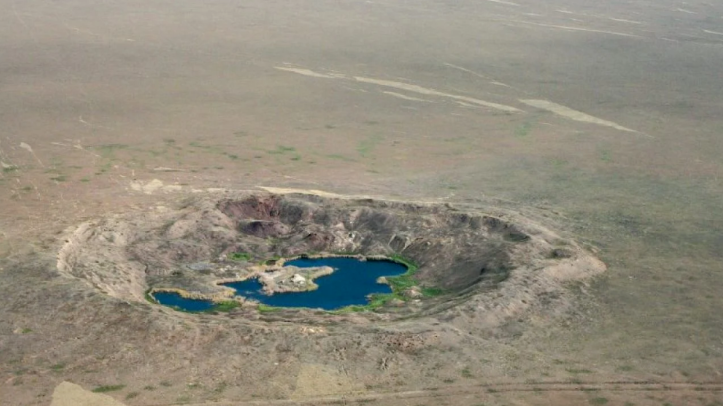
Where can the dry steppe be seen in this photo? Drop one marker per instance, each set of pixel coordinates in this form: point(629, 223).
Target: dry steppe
point(598, 124)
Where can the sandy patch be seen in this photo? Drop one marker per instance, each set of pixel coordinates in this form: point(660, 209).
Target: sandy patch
point(573, 114)
point(431, 92)
point(570, 28)
point(154, 186)
point(509, 3)
point(405, 97)
point(307, 72)
point(70, 394)
point(316, 380)
point(622, 20)
point(404, 86)
point(284, 191)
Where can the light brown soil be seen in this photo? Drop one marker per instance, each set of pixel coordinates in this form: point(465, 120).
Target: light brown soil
point(117, 108)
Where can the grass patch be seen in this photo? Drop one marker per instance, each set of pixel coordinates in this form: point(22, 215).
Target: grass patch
point(220, 387)
point(406, 280)
point(365, 147)
point(58, 367)
point(606, 156)
point(131, 395)
point(411, 266)
point(466, 373)
point(432, 292)
point(578, 371)
point(103, 169)
point(108, 388)
point(149, 387)
point(598, 401)
point(379, 300)
point(149, 297)
point(183, 399)
point(402, 282)
point(240, 256)
point(340, 157)
point(225, 306)
point(351, 309)
point(59, 178)
point(397, 283)
point(108, 150)
point(523, 130)
point(10, 169)
point(267, 309)
point(281, 149)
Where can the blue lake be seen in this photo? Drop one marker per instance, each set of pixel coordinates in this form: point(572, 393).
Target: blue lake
point(173, 299)
point(350, 284)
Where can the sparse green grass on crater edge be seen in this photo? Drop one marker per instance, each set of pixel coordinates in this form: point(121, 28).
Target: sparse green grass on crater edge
point(398, 285)
point(108, 388)
point(239, 256)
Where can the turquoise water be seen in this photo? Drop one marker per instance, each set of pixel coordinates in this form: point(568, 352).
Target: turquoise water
point(350, 284)
point(175, 300)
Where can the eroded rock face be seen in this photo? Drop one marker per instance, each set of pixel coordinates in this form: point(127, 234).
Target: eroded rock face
point(495, 266)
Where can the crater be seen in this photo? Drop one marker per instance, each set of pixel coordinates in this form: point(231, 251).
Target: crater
point(236, 252)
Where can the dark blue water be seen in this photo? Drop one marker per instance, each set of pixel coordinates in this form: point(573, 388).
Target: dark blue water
point(350, 284)
point(173, 299)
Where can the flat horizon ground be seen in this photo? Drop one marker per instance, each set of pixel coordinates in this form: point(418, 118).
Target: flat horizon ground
point(605, 118)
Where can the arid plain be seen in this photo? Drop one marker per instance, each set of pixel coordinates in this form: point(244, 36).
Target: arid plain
point(602, 121)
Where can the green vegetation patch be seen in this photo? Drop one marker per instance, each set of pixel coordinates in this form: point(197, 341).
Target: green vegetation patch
point(149, 296)
point(225, 306)
point(366, 146)
point(239, 256)
point(267, 309)
point(432, 292)
point(398, 284)
point(108, 388)
point(523, 130)
point(58, 367)
point(405, 280)
point(281, 149)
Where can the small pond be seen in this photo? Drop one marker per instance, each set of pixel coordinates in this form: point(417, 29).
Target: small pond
point(173, 299)
point(350, 284)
